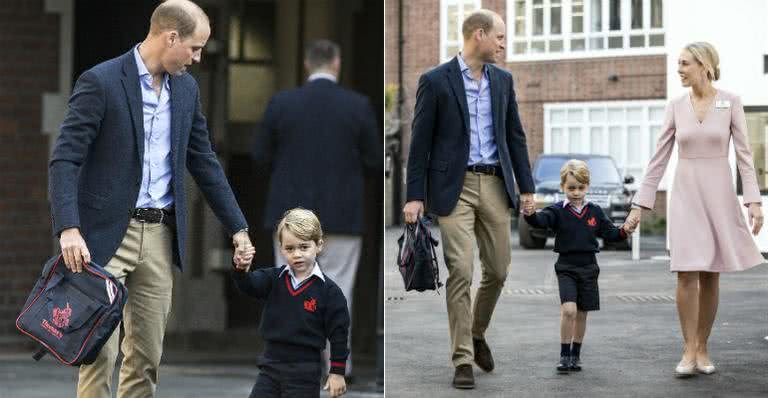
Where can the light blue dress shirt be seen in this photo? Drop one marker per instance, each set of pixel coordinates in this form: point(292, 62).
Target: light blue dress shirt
point(295, 282)
point(156, 189)
point(482, 143)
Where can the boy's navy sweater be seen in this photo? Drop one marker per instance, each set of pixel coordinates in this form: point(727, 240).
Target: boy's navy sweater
point(576, 233)
point(295, 324)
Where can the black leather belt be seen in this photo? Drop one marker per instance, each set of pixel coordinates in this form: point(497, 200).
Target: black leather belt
point(152, 216)
point(489, 169)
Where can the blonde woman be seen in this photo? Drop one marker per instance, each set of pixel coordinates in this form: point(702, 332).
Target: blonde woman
point(707, 232)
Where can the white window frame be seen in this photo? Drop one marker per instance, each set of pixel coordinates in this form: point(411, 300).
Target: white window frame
point(444, 42)
point(649, 130)
point(566, 14)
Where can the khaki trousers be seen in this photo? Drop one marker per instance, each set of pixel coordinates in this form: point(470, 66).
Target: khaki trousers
point(143, 263)
point(483, 215)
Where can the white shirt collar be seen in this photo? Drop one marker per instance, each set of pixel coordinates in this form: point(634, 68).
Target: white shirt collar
point(315, 271)
point(566, 203)
point(322, 75)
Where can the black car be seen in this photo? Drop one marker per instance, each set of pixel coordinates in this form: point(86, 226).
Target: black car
point(606, 189)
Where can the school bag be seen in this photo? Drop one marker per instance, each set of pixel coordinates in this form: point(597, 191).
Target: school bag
point(417, 258)
point(71, 315)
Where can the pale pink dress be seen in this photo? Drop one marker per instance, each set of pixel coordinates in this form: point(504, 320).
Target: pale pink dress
point(707, 231)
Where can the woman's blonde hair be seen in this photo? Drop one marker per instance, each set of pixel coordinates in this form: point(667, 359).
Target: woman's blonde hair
point(302, 223)
point(576, 168)
point(706, 55)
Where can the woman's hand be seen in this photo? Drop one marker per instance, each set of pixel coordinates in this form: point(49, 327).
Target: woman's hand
point(633, 219)
point(755, 217)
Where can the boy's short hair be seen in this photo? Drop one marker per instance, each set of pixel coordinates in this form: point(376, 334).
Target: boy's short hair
point(303, 223)
point(577, 168)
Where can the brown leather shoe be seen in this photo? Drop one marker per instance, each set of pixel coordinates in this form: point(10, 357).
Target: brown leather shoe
point(483, 357)
point(463, 378)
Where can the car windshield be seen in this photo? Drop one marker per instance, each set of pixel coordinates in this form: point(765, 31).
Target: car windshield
point(602, 170)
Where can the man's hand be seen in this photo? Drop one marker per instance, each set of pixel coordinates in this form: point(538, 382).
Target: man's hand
point(413, 210)
point(755, 217)
point(73, 249)
point(244, 250)
point(335, 385)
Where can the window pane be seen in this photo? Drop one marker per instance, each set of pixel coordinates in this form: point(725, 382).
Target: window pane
point(452, 17)
point(575, 116)
point(596, 17)
point(451, 50)
point(597, 141)
point(616, 145)
point(557, 116)
point(574, 138)
point(577, 45)
point(469, 6)
point(656, 114)
point(656, 14)
point(558, 141)
point(520, 27)
point(537, 47)
point(615, 115)
point(538, 21)
point(538, 2)
point(637, 41)
point(633, 145)
point(614, 11)
point(596, 115)
point(234, 37)
point(555, 46)
point(577, 24)
point(555, 21)
point(258, 26)
point(250, 87)
point(634, 114)
point(596, 43)
point(615, 42)
point(656, 40)
point(520, 47)
point(637, 14)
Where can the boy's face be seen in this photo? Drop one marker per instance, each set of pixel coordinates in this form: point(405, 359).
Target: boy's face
point(299, 253)
point(574, 190)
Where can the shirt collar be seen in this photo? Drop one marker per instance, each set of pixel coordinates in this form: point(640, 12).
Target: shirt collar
point(322, 75)
point(566, 203)
point(144, 72)
point(464, 67)
point(315, 271)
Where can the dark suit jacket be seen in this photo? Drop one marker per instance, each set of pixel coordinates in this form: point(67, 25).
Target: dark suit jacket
point(440, 138)
point(95, 169)
point(317, 140)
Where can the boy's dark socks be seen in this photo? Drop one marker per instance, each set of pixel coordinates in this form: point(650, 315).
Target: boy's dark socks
point(575, 349)
point(565, 350)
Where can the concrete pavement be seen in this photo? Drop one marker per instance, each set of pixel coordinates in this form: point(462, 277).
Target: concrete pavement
point(631, 346)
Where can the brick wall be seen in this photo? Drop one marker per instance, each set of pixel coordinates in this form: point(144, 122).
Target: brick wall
point(28, 68)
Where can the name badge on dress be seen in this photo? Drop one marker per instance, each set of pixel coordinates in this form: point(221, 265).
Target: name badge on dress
point(722, 104)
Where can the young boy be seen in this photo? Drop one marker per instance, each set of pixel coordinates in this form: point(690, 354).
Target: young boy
point(576, 224)
point(304, 308)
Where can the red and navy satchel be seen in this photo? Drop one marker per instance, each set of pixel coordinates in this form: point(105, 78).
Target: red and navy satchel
point(71, 315)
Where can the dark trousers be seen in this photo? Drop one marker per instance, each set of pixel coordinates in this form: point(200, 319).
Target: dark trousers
point(287, 380)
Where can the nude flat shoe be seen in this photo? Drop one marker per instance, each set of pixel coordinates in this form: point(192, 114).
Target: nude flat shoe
point(705, 369)
point(684, 369)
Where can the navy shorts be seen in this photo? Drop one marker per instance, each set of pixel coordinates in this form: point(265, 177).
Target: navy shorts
point(578, 284)
point(287, 380)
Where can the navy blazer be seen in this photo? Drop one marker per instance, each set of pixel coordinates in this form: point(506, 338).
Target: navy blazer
point(317, 140)
point(440, 132)
point(95, 169)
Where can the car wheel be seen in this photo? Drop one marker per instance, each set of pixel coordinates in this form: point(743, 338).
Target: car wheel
point(527, 240)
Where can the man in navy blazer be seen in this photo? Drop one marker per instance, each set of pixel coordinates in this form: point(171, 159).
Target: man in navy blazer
point(116, 185)
point(318, 141)
point(467, 151)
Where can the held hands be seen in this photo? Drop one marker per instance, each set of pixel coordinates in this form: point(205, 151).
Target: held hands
point(632, 221)
point(755, 217)
point(527, 204)
point(336, 385)
point(413, 210)
point(244, 251)
point(74, 250)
